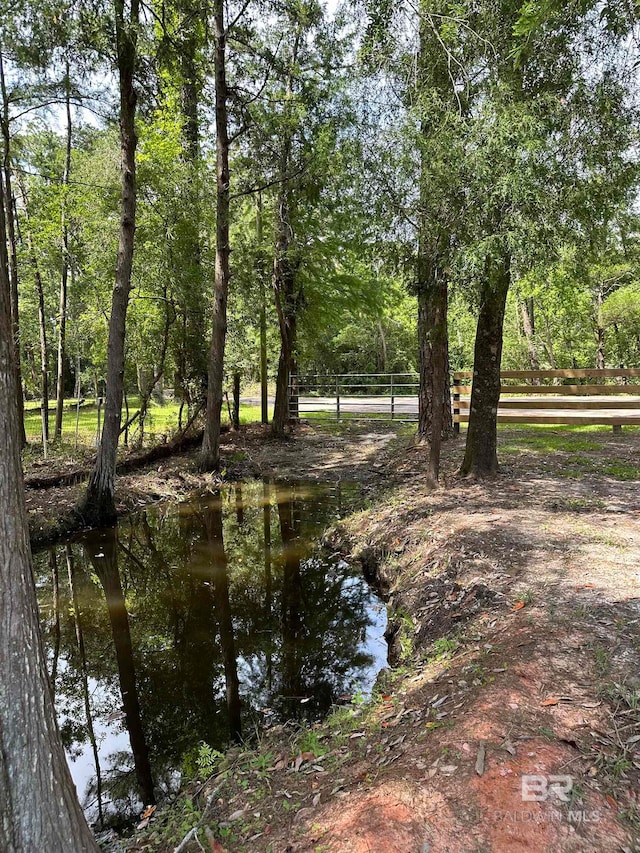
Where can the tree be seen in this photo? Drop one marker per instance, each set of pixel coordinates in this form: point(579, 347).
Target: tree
point(98, 504)
point(64, 275)
point(8, 215)
point(210, 456)
point(40, 809)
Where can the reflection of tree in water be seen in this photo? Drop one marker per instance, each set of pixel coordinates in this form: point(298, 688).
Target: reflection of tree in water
point(105, 564)
point(225, 599)
point(77, 618)
point(220, 579)
point(299, 632)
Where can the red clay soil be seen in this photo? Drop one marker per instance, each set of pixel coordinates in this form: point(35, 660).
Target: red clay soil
point(515, 617)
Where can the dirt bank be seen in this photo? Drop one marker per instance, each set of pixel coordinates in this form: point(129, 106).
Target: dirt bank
point(53, 488)
point(515, 617)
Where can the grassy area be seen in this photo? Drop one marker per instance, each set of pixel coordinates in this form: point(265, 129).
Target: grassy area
point(160, 420)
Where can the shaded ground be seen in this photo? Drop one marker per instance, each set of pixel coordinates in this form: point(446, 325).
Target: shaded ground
point(516, 642)
point(314, 454)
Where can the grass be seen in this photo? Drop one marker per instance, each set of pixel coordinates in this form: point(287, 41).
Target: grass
point(162, 419)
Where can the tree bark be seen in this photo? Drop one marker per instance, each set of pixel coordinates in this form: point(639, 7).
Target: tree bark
point(287, 294)
point(433, 346)
point(62, 320)
point(435, 417)
point(98, 504)
point(481, 456)
point(189, 271)
point(260, 269)
point(42, 317)
point(528, 325)
point(210, 455)
point(38, 802)
point(600, 331)
point(7, 210)
point(548, 344)
point(434, 410)
point(285, 297)
point(44, 358)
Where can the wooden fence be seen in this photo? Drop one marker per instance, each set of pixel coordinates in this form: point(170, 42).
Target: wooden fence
point(527, 396)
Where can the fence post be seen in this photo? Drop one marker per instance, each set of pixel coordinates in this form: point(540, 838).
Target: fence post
point(337, 398)
point(393, 405)
point(235, 421)
point(456, 405)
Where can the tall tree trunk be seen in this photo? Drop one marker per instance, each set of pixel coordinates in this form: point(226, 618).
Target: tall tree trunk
point(528, 325)
point(433, 352)
point(260, 268)
point(600, 330)
point(38, 801)
point(210, 456)
point(7, 209)
point(44, 357)
point(435, 415)
point(42, 315)
point(193, 365)
point(98, 504)
point(481, 454)
point(548, 344)
point(62, 320)
point(382, 363)
point(285, 287)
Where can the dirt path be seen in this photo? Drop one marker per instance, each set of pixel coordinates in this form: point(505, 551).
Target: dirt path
point(515, 636)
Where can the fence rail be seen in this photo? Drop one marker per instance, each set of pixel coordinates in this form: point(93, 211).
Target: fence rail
point(355, 396)
point(606, 396)
point(595, 402)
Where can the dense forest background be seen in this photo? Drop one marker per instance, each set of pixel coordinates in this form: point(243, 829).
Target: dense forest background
point(328, 105)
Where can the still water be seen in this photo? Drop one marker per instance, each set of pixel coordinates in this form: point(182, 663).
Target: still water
point(198, 622)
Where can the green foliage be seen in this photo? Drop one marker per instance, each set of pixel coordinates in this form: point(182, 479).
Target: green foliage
point(208, 760)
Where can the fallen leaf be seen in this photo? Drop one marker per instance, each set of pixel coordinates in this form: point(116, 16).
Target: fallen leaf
point(482, 752)
point(611, 802)
point(547, 702)
point(148, 812)
point(237, 814)
point(508, 745)
point(518, 605)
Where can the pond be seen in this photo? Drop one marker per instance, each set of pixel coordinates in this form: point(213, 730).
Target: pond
point(197, 623)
